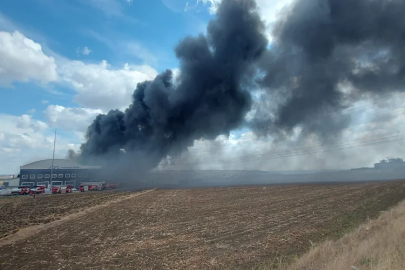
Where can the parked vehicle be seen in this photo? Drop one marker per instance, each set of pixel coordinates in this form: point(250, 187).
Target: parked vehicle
point(22, 190)
point(69, 189)
point(5, 192)
point(91, 186)
point(111, 185)
point(37, 190)
point(56, 190)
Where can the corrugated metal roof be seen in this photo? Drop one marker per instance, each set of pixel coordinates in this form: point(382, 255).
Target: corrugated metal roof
point(57, 164)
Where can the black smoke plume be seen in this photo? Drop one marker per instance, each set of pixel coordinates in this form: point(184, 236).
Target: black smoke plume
point(207, 99)
point(327, 54)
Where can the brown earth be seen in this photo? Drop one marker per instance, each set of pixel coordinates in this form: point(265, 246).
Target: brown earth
point(17, 212)
point(204, 228)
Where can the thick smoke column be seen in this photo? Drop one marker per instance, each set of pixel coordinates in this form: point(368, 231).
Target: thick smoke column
point(327, 54)
point(206, 101)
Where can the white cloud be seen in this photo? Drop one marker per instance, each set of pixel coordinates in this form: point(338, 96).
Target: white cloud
point(45, 101)
point(24, 139)
point(99, 86)
point(21, 59)
point(213, 5)
point(32, 111)
point(85, 50)
point(187, 7)
point(71, 119)
point(25, 122)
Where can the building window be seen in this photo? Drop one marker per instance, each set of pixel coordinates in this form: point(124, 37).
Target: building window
point(85, 175)
point(67, 175)
point(79, 175)
point(27, 184)
point(70, 183)
point(24, 177)
point(40, 176)
point(57, 183)
point(47, 175)
point(32, 176)
point(60, 175)
point(73, 175)
point(54, 176)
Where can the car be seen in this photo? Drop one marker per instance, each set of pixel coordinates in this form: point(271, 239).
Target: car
point(15, 191)
point(5, 192)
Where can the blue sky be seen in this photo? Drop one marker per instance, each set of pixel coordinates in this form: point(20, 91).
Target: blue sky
point(138, 32)
point(62, 62)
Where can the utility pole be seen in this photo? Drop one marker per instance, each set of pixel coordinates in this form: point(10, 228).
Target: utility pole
point(53, 158)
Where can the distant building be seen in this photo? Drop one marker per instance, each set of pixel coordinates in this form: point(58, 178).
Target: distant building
point(390, 164)
point(11, 182)
point(65, 172)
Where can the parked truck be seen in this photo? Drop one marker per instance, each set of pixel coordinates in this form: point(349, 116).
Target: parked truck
point(37, 190)
point(92, 186)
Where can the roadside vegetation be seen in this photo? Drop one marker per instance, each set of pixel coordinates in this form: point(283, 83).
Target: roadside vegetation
point(376, 245)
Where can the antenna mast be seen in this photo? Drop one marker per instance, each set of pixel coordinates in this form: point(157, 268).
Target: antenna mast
point(53, 157)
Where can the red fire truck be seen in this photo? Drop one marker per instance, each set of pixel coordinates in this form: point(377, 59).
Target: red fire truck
point(37, 190)
point(57, 190)
point(111, 185)
point(96, 186)
point(62, 189)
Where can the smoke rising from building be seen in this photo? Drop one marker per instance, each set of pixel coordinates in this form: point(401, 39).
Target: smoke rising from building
point(325, 55)
point(206, 101)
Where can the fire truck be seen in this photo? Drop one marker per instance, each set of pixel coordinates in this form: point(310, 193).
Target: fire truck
point(97, 186)
point(37, 190)
point(62, 189)
point(111, 185)
point(91, 186)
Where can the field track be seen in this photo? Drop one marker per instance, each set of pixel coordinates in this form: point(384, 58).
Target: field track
point(212, 228)
point(29, 231)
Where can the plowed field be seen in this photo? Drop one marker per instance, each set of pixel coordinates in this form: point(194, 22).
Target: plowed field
point(219, 228)
point(19, 212)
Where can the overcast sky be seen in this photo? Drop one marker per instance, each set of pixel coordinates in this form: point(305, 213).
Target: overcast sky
point(63, 62)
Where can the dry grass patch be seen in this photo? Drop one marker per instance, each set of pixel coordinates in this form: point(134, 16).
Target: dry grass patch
point(377, 244)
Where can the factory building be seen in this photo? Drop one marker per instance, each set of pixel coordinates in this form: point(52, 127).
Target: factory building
point(390, 164)
point(65, 172)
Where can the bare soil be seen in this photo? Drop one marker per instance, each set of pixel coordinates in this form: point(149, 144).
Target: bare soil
point(218, 228)
point(18, 212)
point(31, 230)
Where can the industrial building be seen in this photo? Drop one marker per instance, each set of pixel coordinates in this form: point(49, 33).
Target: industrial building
point(65, 172)
point(390, 164)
